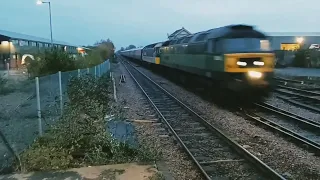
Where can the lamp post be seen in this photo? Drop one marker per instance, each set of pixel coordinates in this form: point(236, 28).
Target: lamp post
point(39, 2)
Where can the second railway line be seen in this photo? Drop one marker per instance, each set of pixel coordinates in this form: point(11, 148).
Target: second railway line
point(302, 96)
point(302, 130)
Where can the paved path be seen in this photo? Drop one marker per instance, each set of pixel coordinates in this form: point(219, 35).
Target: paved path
point(130, 171)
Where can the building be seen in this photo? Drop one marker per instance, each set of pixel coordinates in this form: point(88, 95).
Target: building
point(16, 47)
point(179, 33)
point(286, 44)
point(293, 41)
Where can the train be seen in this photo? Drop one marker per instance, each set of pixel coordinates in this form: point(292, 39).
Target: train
point(236, 57)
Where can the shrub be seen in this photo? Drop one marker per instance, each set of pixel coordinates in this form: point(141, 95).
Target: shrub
point(300, 58)
point(80, 136)
point(50, 62)
point(102, 51)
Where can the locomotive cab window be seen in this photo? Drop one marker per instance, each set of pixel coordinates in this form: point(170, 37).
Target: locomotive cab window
point(242, 45)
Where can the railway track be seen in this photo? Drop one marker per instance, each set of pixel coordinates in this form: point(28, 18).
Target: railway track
point(300, 97)
point(303, 131)
point(216, 155)
point(306, 82)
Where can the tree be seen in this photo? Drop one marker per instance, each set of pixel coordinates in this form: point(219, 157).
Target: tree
point(131, 47)
point(106, 48)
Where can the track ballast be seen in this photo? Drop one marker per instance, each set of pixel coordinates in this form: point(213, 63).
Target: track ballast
point(215, 154)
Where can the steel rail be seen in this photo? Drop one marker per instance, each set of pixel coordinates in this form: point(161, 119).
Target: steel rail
point(314, 146)
point(234, 145)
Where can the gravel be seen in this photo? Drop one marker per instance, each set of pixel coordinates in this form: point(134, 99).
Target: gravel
point(291, 125)
point(273, 100)
point(281, 155)
point(18, 114)
point(137, 108)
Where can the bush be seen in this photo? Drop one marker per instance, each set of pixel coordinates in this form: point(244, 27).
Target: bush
point(50, 62)
point(80, 136)
point(102, 51)
point(300, 59)
point(92, 59)
point(54, 60)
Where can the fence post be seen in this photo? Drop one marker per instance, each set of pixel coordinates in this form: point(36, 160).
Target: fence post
point(95, 71)
point(78, 73)
point(99, 70)
point(8, 68)
point(38, 106)
point(88, 71)
point(98, 73)
point(60, 93)
point(114, 89)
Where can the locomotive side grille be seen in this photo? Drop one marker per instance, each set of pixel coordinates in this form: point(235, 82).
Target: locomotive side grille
point(252, 62)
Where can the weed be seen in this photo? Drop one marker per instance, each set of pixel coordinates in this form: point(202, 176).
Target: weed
point(80, 137)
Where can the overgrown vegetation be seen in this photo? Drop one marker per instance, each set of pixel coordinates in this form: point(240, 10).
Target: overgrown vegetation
point(80, 137)
point(307, 58)
point(50, 62)
point(54, 60)
point(157, 176)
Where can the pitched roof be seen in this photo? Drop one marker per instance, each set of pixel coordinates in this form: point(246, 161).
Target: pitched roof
point(15, 35)
point(178, 31)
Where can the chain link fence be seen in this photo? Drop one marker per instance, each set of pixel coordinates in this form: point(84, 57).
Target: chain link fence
point(31, 107)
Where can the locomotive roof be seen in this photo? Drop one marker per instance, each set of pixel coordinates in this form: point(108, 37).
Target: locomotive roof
point(134, 49)
point(230, 31)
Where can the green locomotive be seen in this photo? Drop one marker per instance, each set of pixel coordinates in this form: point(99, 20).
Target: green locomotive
point(237, 57)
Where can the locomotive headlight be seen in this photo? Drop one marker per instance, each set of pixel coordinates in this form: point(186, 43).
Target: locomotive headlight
point(240, 63)
point(255, 74)
point(258, 63)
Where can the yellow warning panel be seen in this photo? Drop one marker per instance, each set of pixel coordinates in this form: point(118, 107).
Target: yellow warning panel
point(290, 46)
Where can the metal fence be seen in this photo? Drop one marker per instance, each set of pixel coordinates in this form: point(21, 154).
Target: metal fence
point(32, 106)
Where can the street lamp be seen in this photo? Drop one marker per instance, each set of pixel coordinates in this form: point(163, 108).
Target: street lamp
point(300, 40)
point(39, 2)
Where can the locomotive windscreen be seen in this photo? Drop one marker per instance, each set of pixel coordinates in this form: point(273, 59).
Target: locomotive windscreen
point(242, 45)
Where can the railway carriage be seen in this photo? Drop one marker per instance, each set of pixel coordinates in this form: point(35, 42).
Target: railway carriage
point(133, 53)
point(151, 52)
point(237, 57)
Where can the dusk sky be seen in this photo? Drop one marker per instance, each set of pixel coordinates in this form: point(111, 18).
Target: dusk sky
point(140, 22)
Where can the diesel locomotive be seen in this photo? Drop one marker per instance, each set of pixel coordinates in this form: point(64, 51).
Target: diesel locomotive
point(236, 57)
